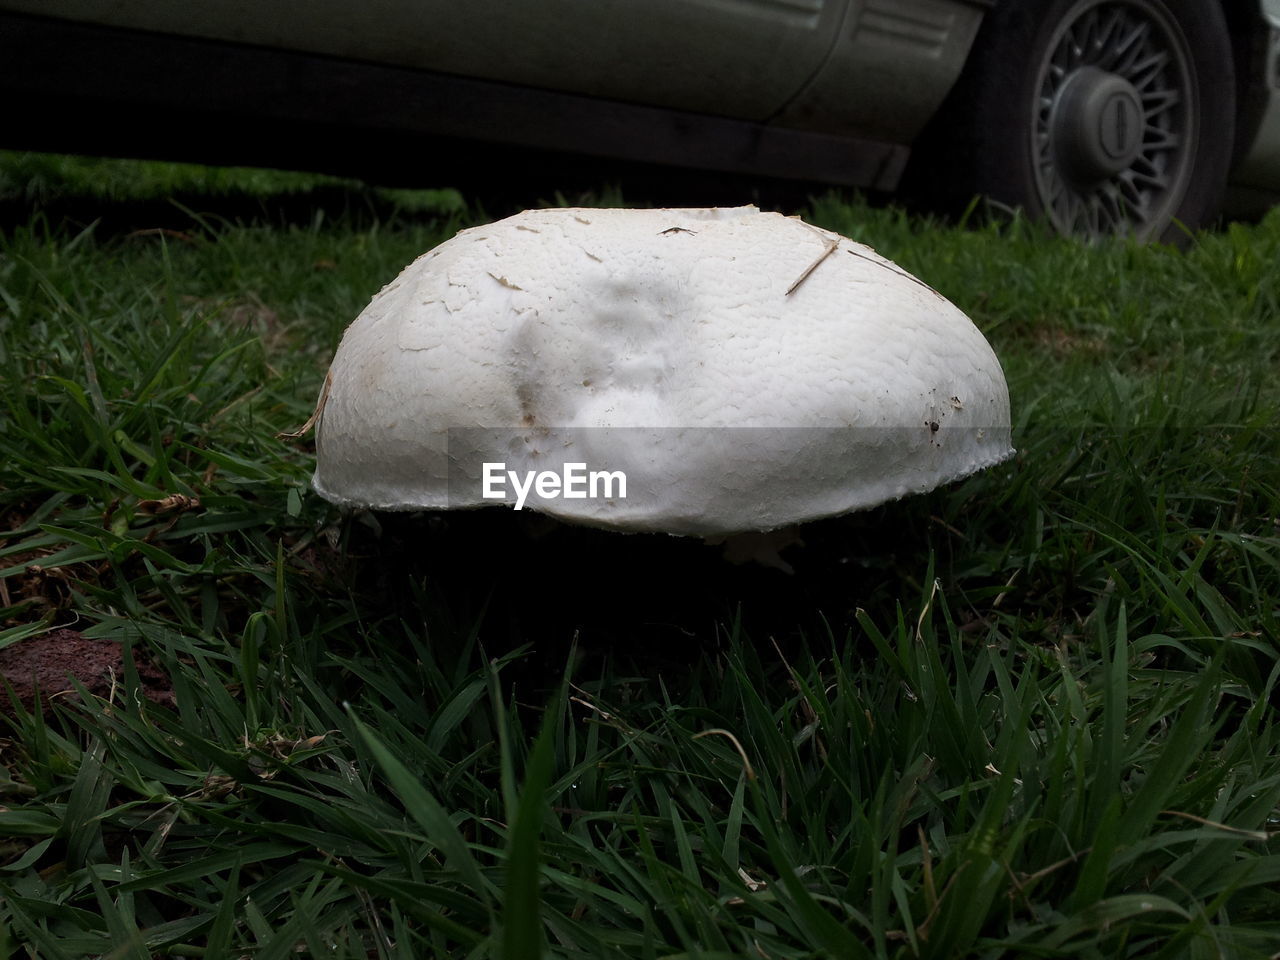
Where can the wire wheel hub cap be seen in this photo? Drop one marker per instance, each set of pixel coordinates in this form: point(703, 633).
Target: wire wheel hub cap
point(1114, 122)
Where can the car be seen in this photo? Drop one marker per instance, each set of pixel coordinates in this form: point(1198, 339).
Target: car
point(1100, 116)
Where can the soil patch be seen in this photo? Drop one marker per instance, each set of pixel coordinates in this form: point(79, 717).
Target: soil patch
point(46, 664)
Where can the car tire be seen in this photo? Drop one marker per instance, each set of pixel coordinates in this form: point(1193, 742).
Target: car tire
point(1101, 117)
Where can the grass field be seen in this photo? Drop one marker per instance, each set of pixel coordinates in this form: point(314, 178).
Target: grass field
point(1033, 714)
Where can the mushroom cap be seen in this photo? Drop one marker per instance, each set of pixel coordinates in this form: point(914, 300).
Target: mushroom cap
point(744, 370)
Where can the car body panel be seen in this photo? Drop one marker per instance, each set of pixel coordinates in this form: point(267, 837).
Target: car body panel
point(736, 58)
point(874, 69)
point(133, 93)
point(1259, 168)
point(1255, 178)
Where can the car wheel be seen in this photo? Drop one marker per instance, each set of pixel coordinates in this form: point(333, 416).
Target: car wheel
point(1102, 117)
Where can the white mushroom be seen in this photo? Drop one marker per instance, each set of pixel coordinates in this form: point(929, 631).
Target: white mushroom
point(742, 370)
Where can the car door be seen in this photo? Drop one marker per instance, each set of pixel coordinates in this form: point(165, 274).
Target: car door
point(735, 58)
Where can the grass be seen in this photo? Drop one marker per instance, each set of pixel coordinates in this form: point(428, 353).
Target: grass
point(1033, 714)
